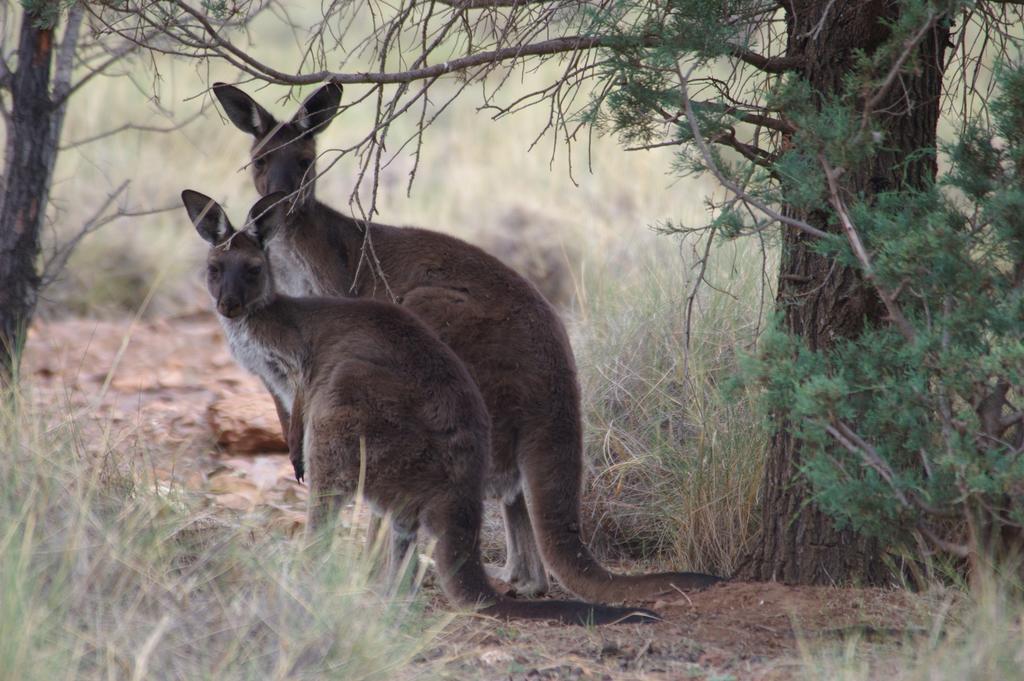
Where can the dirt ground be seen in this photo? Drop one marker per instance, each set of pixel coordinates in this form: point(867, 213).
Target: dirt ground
point(170, 388)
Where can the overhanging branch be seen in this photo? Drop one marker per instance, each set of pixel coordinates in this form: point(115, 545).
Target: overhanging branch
point(488, 4)
point(215, 40)
point(709, 162)
point(767, 64)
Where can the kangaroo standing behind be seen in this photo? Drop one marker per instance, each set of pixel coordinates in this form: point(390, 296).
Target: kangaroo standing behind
point(368, 369)
point(509, 337)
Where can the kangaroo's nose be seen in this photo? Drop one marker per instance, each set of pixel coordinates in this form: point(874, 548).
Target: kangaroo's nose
point(229, 306)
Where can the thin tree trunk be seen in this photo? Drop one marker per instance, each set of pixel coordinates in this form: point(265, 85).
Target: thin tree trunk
point(31, 151)
point(821, 301)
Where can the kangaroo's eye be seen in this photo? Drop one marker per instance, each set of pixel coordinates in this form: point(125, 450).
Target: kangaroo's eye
point(253, 271)
point(260, 163)
point(213, 270)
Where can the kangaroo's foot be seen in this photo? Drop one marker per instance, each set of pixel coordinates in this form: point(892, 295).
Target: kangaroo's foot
point(520, 582)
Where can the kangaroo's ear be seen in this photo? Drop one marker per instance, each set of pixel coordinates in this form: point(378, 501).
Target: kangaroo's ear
point(208, 217)
point(266, 216)
point(244, 112)
point(319, 108)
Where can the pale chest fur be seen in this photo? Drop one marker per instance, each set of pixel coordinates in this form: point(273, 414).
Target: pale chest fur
point(278, 371)
point(292, 273)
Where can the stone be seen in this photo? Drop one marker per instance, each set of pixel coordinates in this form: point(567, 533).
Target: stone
point(246, 424)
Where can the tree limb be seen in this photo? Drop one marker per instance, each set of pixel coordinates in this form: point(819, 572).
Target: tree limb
point(56, 262)
point(65, 61)
point(709, 161)
point(754, 154)
point(6, 75)
point(137, 128)
point(487, 4)
point(894, 71)
point(767, 64)
point(861, 253)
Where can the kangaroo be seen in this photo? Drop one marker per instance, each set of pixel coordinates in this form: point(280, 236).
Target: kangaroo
point(369, 369)
point(509, 337)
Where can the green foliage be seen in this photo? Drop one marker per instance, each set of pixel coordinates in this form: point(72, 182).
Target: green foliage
point(909, 429)
point(45, 14)
point(645, 78)
point(919, 432)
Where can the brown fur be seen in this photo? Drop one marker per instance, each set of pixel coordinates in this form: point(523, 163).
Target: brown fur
point(509, 337)
point(370, 371)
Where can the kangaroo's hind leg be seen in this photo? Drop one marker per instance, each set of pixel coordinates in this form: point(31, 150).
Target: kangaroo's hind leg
point(524, 569)
point(331, 484)
point(400, 560)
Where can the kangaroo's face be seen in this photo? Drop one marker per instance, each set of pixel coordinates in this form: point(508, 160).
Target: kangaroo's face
point(238, 275)
point(283, 154)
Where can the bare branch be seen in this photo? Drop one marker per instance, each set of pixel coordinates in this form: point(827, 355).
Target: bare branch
point(6, 75)
point(891, 306)
point(709, 162)
point(897, 67)
point(767, 64)
point(116, 55)
point(488, 4)
point(753, 154)
point(132, 126)
point(56, 262)
point(960, 550)
point(65, 61)
point(846, 436)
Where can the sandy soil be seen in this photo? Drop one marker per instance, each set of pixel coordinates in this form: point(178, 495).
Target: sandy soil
point(158, 384)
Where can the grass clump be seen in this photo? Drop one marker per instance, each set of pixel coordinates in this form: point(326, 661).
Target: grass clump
point(976, 635)
point(677, 461)
point(106, 575)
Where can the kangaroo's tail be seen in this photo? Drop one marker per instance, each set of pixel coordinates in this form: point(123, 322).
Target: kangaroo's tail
point(456, 524)
point(553, 469)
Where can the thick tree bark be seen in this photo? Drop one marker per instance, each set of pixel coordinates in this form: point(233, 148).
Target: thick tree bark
point(821, 301)
point(30, 154)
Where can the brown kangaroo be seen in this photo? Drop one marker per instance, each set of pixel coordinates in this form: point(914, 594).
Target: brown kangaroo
point(510, 338)
point(367, 369)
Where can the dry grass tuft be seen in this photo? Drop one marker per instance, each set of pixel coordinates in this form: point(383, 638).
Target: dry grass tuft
point(973, 635)
point(105, 574)
point(677, 461)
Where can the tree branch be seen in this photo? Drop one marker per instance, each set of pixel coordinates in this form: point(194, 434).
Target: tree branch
point(6, 75)
point(565, 44)
point(487, 4)
point(267, 72)
point(767, 64)
point(116, 55)
point(137, 128)
point(709, 161)
point(861, 253)
point(894, 71)
point(65, 61)
point(56, 262)
point(754, 154)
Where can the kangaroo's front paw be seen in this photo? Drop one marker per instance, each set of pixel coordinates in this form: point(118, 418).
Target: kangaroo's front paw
point(298, 462)
point(295, 452)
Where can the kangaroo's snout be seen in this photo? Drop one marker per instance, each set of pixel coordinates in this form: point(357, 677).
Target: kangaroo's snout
point(229, 306)
point(282, 179)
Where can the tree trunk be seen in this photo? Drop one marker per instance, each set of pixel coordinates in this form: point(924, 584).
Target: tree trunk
point(30, 154)
point(821, 301)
